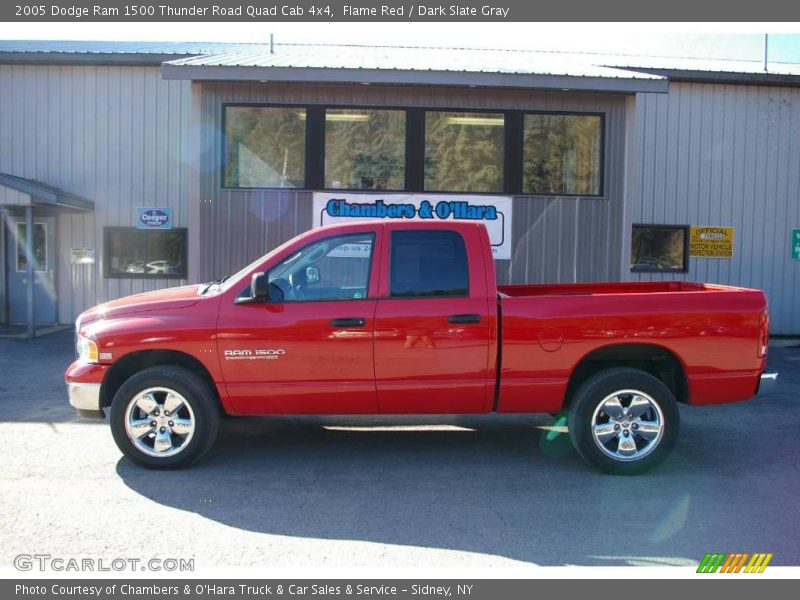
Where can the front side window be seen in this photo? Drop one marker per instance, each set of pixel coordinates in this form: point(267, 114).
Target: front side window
point(562, 154)
point(365, 149)
point(140, 253)
point(463, 152)
point(265, 146)
point(335, 268)
point(659, 248)
point(428, 263)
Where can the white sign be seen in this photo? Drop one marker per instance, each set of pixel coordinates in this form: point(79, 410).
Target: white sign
point(351, 251)
point(492, 211)
point(82, 256)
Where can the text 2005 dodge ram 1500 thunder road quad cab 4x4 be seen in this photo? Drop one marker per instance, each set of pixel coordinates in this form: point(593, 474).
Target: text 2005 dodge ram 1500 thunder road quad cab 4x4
point(407, 318)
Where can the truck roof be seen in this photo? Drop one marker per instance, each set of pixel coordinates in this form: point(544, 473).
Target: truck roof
point(417, 223)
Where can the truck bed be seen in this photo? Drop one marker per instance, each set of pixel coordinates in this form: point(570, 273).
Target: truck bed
point(594, 289)
point(547, 330)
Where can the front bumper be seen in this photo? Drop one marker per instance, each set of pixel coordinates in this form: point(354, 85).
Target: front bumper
point(85, 398)
point(767, 382)
point(83, 387)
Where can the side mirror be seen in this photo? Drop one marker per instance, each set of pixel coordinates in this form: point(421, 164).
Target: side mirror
point(274, 293)
point(312, 275)
point(258, 287)
point(258, 290)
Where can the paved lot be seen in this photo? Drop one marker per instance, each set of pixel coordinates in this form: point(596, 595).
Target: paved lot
point(459, 492)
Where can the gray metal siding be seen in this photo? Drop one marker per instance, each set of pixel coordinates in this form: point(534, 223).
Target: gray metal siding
point(11, 197)
point(116, 135)
point(725, 155)
point(561, 239)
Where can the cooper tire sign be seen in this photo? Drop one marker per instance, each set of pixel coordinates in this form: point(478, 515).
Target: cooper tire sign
point(494, 211)
point(153, 217)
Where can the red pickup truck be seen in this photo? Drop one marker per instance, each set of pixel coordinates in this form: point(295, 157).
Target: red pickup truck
point(407, 318)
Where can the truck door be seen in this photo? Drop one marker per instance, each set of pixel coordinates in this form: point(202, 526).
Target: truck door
point(432, 330)
point(311, 352)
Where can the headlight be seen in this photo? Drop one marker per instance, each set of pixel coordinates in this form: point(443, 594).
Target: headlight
point(87, 349)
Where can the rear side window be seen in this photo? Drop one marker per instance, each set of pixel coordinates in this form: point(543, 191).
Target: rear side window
point(428, 263)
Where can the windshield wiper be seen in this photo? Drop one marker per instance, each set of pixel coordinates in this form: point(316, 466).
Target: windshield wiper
point(213, 283)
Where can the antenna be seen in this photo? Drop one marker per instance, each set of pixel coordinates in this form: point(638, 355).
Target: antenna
point(766, 51)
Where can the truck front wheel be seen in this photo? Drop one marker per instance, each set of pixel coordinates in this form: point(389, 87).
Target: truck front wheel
point(164, 417)
point(623, 421)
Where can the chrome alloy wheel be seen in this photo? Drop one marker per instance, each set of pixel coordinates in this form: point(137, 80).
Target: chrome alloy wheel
point(159, 422)
point(627, 425)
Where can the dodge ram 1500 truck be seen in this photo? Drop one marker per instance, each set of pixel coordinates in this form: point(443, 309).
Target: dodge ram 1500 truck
point(406, 317)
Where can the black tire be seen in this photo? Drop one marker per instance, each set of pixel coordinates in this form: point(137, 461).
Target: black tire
point(195, 392)
point(656, 396)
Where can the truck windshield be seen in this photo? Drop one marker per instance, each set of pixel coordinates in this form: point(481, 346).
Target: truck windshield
point(225, 283)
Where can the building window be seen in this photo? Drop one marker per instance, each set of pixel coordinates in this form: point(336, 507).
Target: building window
point(365, 149)
point(428, 263)
point(660, 248)
point(39, 247)
point(562, 154)
point(390, 149)
point(138, 253)
point(464, 151)
point(265, 146)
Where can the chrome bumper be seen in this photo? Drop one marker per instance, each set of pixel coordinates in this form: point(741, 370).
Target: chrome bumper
point(767, 382)
point(85, 398)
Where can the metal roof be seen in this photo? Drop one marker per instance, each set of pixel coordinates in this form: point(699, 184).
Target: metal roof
point(706, 65)
point(100, 47)
point(412, 65)
point(412, 59)
point(320, 62)
point(42, 193)
point(99, 52)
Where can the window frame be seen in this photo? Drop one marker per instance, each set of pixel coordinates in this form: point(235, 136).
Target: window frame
point(374, 237)
point(108, 274)
point(223, 183)
point(602, 161)
point(425, 297)
point(686, 241)
point(347, 190)
point(17, 246)
point(504, 147)
point(414, 180)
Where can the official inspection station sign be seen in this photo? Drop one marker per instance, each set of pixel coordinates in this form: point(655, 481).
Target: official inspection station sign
point(492, 211)
point(711, 242)
point(82, 256)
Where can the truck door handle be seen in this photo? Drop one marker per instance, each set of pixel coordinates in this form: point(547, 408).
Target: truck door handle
point(469, 318)
point(349, 322)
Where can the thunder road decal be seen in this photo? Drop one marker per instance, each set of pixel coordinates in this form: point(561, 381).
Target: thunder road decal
point(734, 562)
point(257, 354)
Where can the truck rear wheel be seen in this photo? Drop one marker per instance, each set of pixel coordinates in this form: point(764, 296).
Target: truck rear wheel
point(164, 417)
point(623, 421)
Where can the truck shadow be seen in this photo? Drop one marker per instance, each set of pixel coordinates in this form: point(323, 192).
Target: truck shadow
point(504, 486)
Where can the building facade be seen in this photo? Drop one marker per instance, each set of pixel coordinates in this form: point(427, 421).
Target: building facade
point(130, 167)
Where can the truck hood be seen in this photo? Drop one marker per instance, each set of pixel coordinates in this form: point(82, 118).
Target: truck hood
point(168, 299)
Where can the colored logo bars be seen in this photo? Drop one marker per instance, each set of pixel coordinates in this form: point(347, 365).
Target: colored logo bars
point(735, 562)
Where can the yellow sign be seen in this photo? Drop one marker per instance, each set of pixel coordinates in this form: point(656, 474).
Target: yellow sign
point(711, 242)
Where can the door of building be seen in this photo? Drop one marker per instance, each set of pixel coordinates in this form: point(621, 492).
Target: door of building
point(44, 261)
